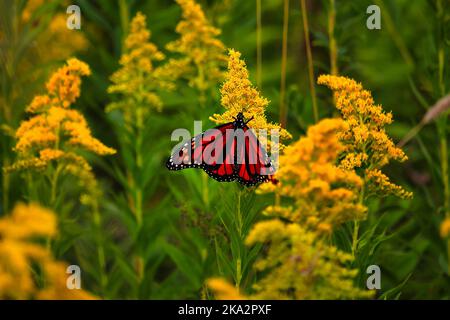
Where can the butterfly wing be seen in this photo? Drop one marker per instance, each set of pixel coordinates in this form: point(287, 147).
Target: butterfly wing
point(255, 165)
point(226, 169)
point(204, 151)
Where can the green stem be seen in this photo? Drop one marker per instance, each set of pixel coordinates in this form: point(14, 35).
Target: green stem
point(100, 249)
point(32, 195)
point(205, 190)
point(283, 107)
point(448, 256)
point(239, 214)
point(442, 125)
point(239, 228)
point(444, 168)
point(258, 45)
point(355, 238)
point(54, 185)
point(331, 37)
point(138, 189)
point(139, 163)
point(124, 18)
point(202, 102)
point(5, 185)
point(356, 222)
point(309, 56)
point(445, 181)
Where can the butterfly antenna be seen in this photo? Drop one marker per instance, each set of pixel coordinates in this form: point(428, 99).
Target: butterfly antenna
point(249, 120)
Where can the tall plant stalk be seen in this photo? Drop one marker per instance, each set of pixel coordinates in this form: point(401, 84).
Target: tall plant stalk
point(138, 190)
point(234, 258)
point(258, 45)
point(239, 223)
point(442, 123)
point(124, 18)
point(312, 86)
point(332, 40)
point(100, 249)
point(8, 70)
point(283, 107)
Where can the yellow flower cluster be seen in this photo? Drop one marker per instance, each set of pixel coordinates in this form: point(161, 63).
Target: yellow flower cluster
point(378, 182)
point(320, 193)
point(55, 130)
point(367, 144)
point(138, 79)
point(298, 262)
point(239, 95)
point(64, 85)
point(298, 265)
point(20, 253)
point(203, 54)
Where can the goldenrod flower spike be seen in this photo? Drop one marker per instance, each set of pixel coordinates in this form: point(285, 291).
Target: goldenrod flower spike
point(366, 143)
point(239, 95)
point(323, 195)
point(139, 78)
point(298, 265)
point(56, 133)
point(55, 130)
point(202, 53)
point(19, 252)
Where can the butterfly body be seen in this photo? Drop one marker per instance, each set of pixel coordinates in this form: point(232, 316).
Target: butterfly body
point(226, 153)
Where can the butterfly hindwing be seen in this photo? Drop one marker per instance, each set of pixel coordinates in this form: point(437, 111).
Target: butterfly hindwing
point(257, 166)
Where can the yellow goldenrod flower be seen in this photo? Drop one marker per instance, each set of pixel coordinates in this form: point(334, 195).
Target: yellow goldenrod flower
point(64, 85)
point(27, 221)
point(138, 79)
point(366, 143)
point(56, 133)
point(20, 253)
point(445, 228)
point(298, 265)
point(38, 103)
point(203, 54)
point(56, 130)
point(223, 290)
point(378, 182)
point(321, 193)
point(239, 95)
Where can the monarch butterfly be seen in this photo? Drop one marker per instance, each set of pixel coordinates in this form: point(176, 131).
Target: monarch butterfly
point(226, 153)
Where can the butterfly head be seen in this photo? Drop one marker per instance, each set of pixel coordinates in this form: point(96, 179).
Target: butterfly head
point(239, 120)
